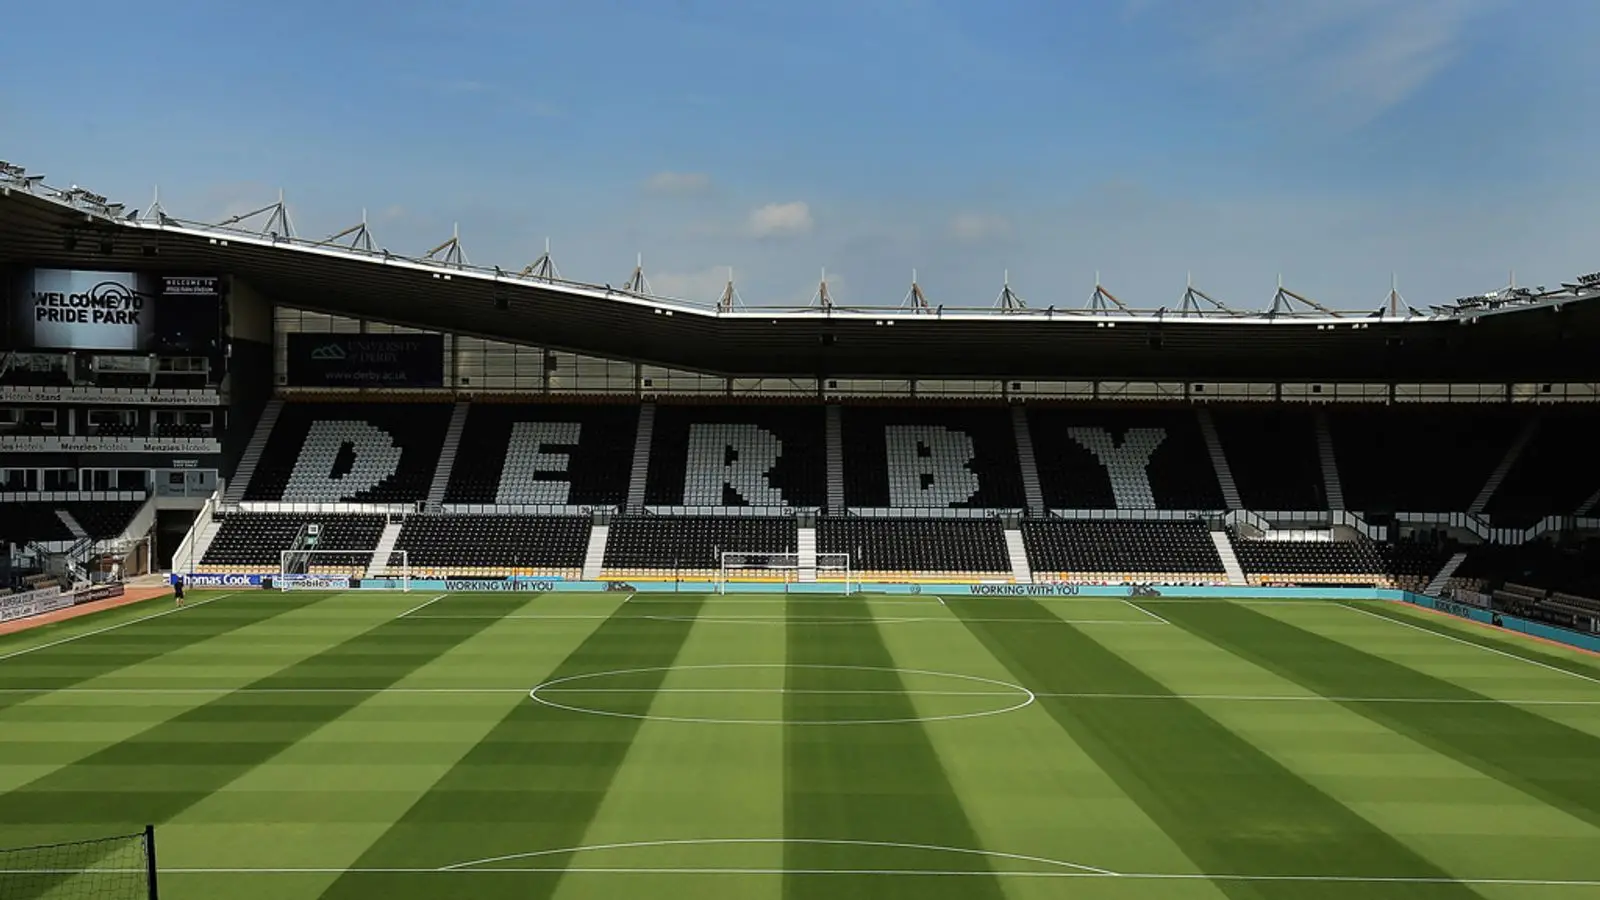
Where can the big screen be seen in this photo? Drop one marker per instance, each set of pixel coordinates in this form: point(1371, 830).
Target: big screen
point(78, 309)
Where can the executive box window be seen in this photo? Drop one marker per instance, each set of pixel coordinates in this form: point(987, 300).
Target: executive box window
point(23, 420)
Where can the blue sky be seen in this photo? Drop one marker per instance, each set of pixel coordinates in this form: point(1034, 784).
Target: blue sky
point(1331, 141)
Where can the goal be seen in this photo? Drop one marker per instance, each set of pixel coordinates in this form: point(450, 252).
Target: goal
point(108, 868)
point(786, 569)
point(337, 570)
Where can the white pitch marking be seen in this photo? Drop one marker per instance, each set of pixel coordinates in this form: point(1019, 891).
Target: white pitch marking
point(1078, 695)
point(864, 620)
point(710, 842)
point(1146, 611)
point(1025, 696)
point(887, 600)
point(1587, 884)
point(1497, 652)
point(67, 640)
point(429, 603)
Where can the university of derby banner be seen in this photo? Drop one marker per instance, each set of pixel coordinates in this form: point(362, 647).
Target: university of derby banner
point(365, 360)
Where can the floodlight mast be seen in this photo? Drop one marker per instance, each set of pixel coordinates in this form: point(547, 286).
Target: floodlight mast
point(278, 224)
point(1008, 301)
point(360, 236)
point(1284, 303)
point(730, 299)
point(1193, 298)
point(543, 268)
point(156, 214)
point(822, 299)
point(1395, 306)
point(914, 299)
point(1103, 301)
point(637, 283)
point(450, 253)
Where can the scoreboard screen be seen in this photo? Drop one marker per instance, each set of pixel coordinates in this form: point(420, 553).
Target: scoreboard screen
point(77, 309)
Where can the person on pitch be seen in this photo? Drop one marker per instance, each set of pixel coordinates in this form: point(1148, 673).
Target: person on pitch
point(177, 588)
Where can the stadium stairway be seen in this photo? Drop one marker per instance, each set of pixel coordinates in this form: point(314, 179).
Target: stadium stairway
point(195, 544)
point(1436, 586)
point(378, 567)
point(835, 446)
point(1524, 438)
point(71, 523)
point(1021, 572)
point(1330, 465)
point(1219, 459)
point(252, 452)
point(806, 544)
point(594, 556)
point(1230, 560)
point(447, 456)
point(1587, 508)
point(1030, 467)
point(641, 457)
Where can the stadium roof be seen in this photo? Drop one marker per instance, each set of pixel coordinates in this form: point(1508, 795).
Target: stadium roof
point(1515, 335)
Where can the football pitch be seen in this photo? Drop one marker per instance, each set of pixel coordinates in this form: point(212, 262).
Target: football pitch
point(399, 746)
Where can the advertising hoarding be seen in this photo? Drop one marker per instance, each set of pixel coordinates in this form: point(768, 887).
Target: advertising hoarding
point(365, 360)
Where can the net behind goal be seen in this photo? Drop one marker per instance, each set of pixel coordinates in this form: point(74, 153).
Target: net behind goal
point(336, 570)
point(113, 868)
point(785, 568)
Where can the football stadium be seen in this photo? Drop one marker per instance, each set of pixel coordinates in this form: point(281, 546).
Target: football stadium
point(498, 584)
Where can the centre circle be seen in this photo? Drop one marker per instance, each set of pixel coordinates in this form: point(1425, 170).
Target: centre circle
point(583, 693)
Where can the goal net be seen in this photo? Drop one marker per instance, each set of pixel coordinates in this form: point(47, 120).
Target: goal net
point(337, 570)
point(113, 868)
point(785, 568)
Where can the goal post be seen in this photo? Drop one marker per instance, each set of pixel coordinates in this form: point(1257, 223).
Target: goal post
point(736, 568)
point(338, 570)
point(105, 868)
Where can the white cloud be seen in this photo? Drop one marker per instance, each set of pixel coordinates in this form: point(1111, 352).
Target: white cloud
point(973, 227)
point(678, 182)
point(1345, 60)
point(704, 286)
point(781, 220)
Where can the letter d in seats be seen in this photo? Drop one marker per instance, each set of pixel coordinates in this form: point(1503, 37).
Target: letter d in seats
point(313, 480)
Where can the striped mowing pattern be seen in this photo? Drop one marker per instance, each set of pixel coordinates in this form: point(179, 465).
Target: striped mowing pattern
point(585, 746)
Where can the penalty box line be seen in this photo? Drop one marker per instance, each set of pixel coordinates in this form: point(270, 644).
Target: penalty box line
point(78, 637)
point(424, 605)
point(1459, 640)
point(411, 613)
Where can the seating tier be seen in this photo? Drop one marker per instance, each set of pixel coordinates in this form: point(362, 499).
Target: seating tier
point(1554, 474)
point(737, 456)
point(1072, 549)
point(257, 540)
point(1123, 459)
point(1312, 561)
point(693, 543)
point(930, 458)
point(544, 455)
point(1273, 456)
point(1418, 459)
point(917, 547)
point(351, 453)
point(463, 545)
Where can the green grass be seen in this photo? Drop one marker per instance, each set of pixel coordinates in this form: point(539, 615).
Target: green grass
point(325, 745)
